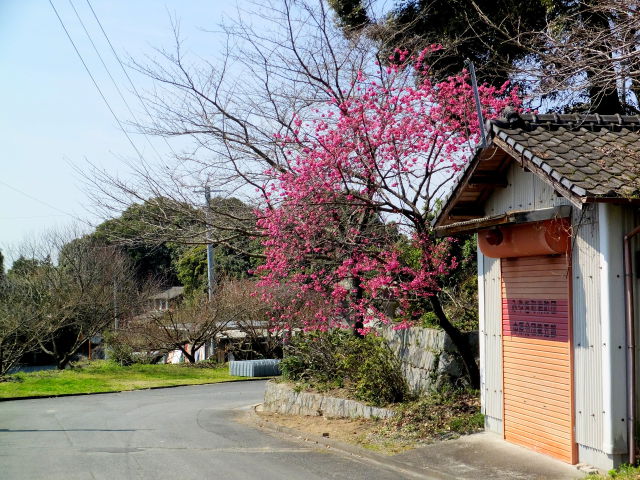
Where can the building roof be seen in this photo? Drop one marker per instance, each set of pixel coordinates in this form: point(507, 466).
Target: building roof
point(591, 155)
point(169, 294)
point(586, 158)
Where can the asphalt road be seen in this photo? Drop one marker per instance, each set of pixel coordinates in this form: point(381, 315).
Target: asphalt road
point(178, 433)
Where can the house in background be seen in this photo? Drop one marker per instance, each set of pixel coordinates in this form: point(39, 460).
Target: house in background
point(166, 299)
point(552, 198)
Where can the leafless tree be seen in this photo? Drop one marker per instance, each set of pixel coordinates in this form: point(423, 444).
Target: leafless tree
point(75, 297)
point(265, 79)
point(189, 325)
point(254, 319)
point(587, 57)
point(18, 322)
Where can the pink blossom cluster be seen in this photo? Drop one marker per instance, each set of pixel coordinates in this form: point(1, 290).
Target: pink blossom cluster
point(347, 230)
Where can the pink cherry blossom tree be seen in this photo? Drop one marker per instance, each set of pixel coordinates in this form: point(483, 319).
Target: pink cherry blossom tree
point(349, 221)
point(345, 188)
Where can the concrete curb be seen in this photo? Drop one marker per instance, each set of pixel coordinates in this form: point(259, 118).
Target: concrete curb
point(348, 449)
point(162, 387)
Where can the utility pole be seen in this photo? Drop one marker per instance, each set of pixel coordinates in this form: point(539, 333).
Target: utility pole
point(115, 304)
point(211, 267)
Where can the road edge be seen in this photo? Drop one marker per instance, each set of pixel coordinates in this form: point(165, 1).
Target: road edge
point(161, 387)
point(346, 448)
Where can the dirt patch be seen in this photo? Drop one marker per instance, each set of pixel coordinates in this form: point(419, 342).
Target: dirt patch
point(439, 416)
point(363, 432)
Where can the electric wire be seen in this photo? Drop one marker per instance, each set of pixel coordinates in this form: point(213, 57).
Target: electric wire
point(35, 199)
point(94, 81)
point(124, 70)
point(115, 84)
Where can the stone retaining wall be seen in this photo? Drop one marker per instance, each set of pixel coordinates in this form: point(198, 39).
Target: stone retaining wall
point(282, 398)
point(427, 356)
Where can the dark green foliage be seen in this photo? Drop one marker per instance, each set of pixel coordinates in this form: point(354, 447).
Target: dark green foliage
point(503, 39)
point(191, 268)
point(459, 294)
point(23, 267)
point(459, 27)
point(159, 237)
point(459, 288)
point(134, 232)
point(352, 15)
point(364, 367)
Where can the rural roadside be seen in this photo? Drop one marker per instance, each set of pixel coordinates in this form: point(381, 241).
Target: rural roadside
point(476, 456)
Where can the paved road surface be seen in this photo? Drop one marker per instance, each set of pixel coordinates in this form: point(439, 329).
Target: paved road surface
point(179, 434)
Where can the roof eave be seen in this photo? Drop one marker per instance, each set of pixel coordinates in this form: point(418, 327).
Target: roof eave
point(461, 182)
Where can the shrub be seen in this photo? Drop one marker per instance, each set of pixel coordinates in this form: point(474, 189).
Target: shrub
point(443, 412)
point(365, 367)
point(211, 362)
point(122, 350)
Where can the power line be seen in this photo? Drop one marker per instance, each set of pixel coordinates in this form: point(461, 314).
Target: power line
point(94, 81)
point(124, 70)
point(39, 201)
point(115, 84)
point(32, 217)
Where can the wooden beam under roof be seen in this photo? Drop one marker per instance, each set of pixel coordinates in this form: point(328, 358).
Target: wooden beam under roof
point(489, 179)
point(467, 209)
point(486, 172)
point(513, 217)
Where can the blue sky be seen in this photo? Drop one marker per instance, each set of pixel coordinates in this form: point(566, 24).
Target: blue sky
point(51, 115)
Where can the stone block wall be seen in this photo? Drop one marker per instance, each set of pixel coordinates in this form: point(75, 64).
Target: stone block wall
point(282, 398)
point(427, 356)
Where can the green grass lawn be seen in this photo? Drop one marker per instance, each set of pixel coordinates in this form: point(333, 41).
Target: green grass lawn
point(104, 376)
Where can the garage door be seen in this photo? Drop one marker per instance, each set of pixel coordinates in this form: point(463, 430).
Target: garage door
point(538, 393)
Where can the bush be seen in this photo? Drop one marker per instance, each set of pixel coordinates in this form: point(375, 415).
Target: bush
point(211, 362)
point(445, 412)
point(365, 367)
point(120, 348)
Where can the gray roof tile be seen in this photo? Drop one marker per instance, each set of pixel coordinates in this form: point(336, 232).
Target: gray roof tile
point(592, 155)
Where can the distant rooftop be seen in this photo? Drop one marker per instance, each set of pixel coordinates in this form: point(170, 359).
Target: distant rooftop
point(169, 294)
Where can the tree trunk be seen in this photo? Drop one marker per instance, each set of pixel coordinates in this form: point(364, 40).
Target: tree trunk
point(358, 323)
point(604, 99)
point(189, 356)
point(62, 362)
point(459, 340)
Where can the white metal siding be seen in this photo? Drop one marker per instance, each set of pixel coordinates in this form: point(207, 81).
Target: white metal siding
point(491, 332)
point(587, 335)
point(613, 224)
point(525, 191)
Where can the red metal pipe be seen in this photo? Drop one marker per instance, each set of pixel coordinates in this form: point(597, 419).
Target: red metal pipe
point(631, 345)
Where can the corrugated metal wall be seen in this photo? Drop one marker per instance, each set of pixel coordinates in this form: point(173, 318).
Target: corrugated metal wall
point(525, 192)
point(491, 332)
point(586, 328)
